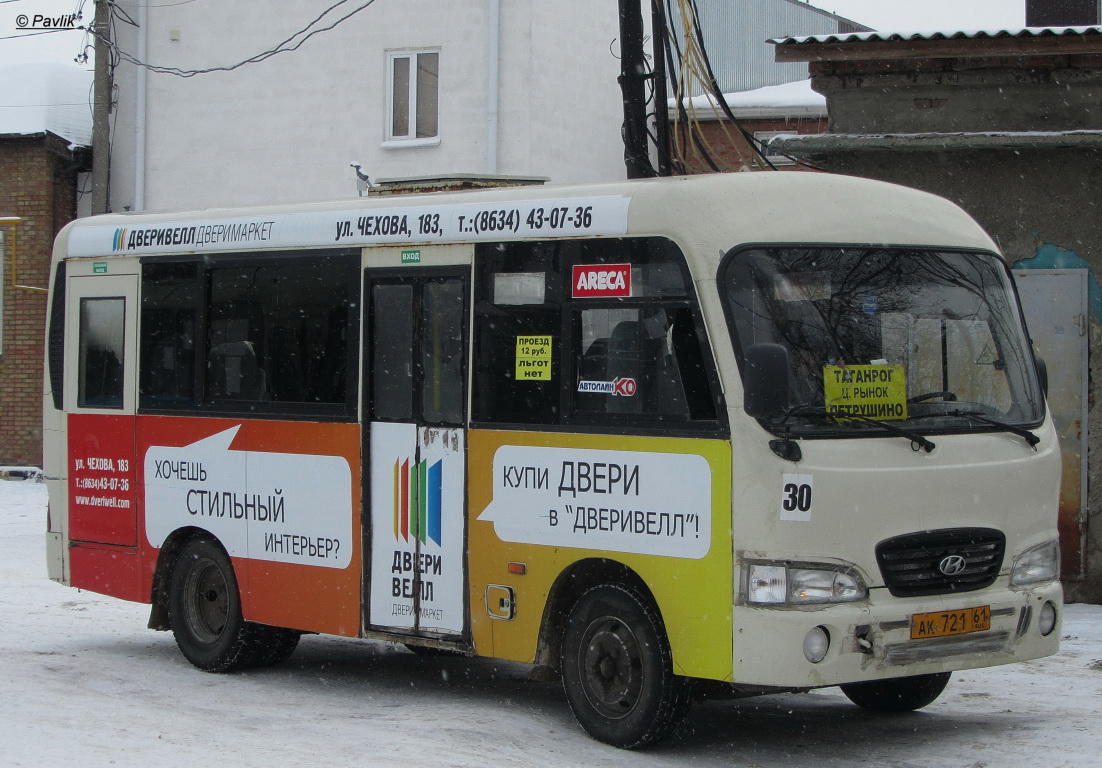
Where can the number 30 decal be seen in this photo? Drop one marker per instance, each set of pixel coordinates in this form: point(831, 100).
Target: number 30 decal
point(796, 497)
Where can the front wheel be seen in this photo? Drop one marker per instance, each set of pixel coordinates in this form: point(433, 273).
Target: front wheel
point(204, 611)
point(901, 694)
point(617, 669)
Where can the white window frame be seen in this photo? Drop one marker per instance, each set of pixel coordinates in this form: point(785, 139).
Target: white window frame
point(410, 138)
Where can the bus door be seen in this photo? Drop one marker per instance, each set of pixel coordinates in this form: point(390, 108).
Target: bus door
point(416, 405)
point(99, 394)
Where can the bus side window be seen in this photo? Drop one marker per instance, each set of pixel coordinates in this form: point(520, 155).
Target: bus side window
point(651, 361)
point(626, 350)
point(231, 332)
point(101, 353)
point(517, 308)
point(392, 364)
point(169, 308)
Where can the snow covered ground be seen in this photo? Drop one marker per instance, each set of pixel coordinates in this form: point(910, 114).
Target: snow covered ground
point(82, 682)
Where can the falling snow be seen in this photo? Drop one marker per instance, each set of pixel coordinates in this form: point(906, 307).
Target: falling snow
point(83, 682)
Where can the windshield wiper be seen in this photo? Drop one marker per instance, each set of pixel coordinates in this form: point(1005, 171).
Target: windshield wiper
point(1025, 434)
point(914, 437)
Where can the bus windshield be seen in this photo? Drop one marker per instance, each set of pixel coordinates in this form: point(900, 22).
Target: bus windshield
point(919, 339)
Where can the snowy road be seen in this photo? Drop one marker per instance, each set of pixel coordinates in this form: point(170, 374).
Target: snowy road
point(82, 682)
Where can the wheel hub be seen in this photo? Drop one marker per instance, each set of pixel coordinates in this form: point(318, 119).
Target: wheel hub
point(612, 676)
point(208, 609)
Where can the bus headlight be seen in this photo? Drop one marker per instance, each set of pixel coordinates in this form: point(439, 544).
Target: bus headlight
point(1036, 564)
point(782, 584)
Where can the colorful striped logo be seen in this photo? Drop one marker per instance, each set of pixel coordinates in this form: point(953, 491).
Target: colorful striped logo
point(417, 490)
point(120, 240)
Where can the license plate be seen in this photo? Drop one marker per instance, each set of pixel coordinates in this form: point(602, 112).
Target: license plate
point(945, 623)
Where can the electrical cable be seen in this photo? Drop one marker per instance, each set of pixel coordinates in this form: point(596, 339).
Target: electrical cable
point(709, 80)
point(756, 144)
point(690, 71)
point(289, 44)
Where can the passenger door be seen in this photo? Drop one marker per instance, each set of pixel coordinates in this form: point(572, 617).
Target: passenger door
point(100, 360)
point(415, 396)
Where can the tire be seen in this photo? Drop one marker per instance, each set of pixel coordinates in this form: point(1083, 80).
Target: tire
point(617, 669)
point(204, 611)
point(273, 645)
point(901, 694)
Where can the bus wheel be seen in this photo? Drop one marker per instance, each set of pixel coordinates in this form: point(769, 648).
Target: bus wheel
point(901, 694)
point(204, 610)
point(274, 645)
point(617, 669)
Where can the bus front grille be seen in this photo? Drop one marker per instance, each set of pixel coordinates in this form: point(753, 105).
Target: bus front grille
point(941, 562)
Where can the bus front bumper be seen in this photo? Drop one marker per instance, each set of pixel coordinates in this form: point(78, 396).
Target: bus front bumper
point(873, 640)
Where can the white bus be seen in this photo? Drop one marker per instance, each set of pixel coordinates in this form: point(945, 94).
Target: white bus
point(770, 432)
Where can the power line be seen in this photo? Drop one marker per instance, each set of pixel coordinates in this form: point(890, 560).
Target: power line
point(155, 5)
point(41, 32)
point(289, 44)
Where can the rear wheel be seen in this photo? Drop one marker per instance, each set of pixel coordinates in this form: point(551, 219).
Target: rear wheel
point(617, 669)
point(901, 694)
point(204, 611)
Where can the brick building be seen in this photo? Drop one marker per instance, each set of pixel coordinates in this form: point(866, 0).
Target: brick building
point(776, 111)
point(42, 153)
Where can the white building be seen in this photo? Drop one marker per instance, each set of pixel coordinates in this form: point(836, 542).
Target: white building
point(428, 88)
point(523, 87)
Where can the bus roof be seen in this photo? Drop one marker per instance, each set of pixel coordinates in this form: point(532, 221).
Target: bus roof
point(711, 213)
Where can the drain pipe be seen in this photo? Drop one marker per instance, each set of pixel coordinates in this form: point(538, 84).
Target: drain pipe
point(139, 108)
point(493, 52)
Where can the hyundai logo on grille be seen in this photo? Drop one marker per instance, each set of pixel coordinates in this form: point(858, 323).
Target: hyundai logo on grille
point(952, 565)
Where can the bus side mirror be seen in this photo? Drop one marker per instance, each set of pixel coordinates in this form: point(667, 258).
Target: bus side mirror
point(1042, 375)
point(765, 381)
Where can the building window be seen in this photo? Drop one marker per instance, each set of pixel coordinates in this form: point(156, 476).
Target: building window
point(414, 93)
point(771, 154)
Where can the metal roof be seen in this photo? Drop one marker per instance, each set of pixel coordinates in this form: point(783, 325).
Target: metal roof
point(978, 34)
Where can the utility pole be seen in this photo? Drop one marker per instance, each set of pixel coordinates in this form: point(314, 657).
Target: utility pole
point(633, 77)
point(661, 118)
point(101, 108)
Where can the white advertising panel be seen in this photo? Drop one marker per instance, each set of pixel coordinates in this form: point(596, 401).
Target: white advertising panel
point(563, 217)
point(282, 507)
point(417, 544)
point(620, 501)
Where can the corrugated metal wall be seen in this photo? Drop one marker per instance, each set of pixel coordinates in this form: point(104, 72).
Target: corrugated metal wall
point(735, 32)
